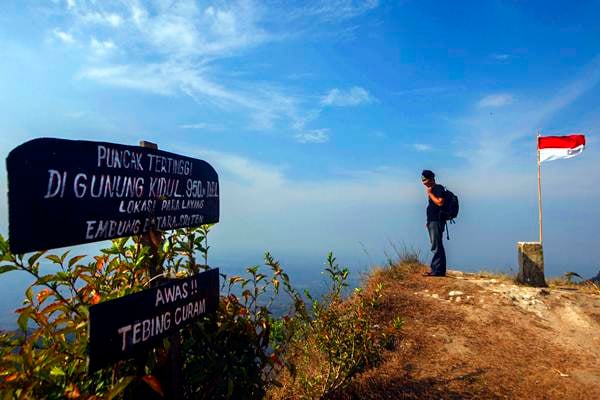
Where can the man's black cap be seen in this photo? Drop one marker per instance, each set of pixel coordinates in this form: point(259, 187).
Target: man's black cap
point(427, 174)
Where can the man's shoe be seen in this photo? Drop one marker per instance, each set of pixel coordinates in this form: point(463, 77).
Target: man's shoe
point(432, 274)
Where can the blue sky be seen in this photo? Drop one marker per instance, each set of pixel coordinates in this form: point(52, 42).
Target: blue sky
point(319, 116)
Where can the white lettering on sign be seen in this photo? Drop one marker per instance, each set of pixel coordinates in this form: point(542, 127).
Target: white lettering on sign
point(109, 228)
point(194, 188)
point(122, 184)
point(177, 204)
point(144, 330)
point(164, 187)
point(115, 186)
point(162, 164)
point(167, 222)
point(118, 186)
point(136, 206)
point(192, 204)
point(190, 310)
point(119, 158)
point(56, 184)
point(171, 294)
point(170, 205)
point(212, 189)
point(79, 187)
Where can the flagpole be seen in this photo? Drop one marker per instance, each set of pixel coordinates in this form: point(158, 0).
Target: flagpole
point(539, 185)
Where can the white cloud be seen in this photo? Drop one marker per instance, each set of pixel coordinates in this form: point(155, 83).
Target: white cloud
point(259, 178)
point(313, 136)
point(587, 79)
point(266, 104)
point(70, 4)
point(500, 57)
point(186, 40)
point(138, 14)
point(242, 169)
point(167, 78)
point(102, 47)
point(422, 147)
point(496, 100)
point(76, 114)
point(223, 23)
point(111, 19)
point(301, 76)
point(256, 199)
point(505, 139)
point(202, 126)
point(184, 28)
point(336, 10)
point(427, 91)
point(178, 28)
point(152, 78)
point(352, 97)
point(64, 36)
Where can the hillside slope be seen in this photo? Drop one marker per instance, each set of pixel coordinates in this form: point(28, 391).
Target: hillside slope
point(467, 336)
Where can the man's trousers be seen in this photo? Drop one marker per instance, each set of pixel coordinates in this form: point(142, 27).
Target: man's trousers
point(436, 236)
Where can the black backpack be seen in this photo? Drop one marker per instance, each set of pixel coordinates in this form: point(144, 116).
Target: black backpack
point(450, 207)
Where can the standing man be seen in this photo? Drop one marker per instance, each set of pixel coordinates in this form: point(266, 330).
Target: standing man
point(435, 223)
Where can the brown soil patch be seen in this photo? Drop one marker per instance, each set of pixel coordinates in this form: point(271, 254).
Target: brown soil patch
point(468, 337)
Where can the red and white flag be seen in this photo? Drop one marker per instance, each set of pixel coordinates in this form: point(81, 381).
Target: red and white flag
point(557, 147)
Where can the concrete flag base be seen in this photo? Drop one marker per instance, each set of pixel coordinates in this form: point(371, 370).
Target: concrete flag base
point(531, 264)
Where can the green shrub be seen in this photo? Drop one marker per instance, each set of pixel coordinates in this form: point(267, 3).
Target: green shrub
point(242, 351)
point(47, 357)
point(337, 340)
point(239, 352)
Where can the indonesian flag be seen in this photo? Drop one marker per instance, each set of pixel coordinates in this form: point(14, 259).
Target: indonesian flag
point(557, 147)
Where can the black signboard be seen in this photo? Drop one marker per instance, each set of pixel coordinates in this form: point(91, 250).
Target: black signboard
point(65, 192)
point(129, 326)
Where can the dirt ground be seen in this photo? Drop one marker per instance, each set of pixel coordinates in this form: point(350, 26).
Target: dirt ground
point(467, 336)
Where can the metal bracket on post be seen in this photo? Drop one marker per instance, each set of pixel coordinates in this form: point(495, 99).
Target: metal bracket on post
point(148, 145)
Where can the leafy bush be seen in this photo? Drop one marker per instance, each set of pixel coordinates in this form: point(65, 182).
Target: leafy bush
point(241, 352)
point(46, 358)
point(238, 352)
point(336, 341)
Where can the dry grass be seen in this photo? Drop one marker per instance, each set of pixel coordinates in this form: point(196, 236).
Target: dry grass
point(562, 282)
point(407, 261)
point(405, 254)
point(394, 272)
point(465, 350)
point(500, 276)
point(460, 350)
point(306, 363)
point(311, 361)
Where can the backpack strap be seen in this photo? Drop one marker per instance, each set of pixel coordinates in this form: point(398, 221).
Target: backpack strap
point(447, 232)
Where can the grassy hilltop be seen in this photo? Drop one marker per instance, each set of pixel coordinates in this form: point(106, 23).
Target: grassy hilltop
point(483, 336)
